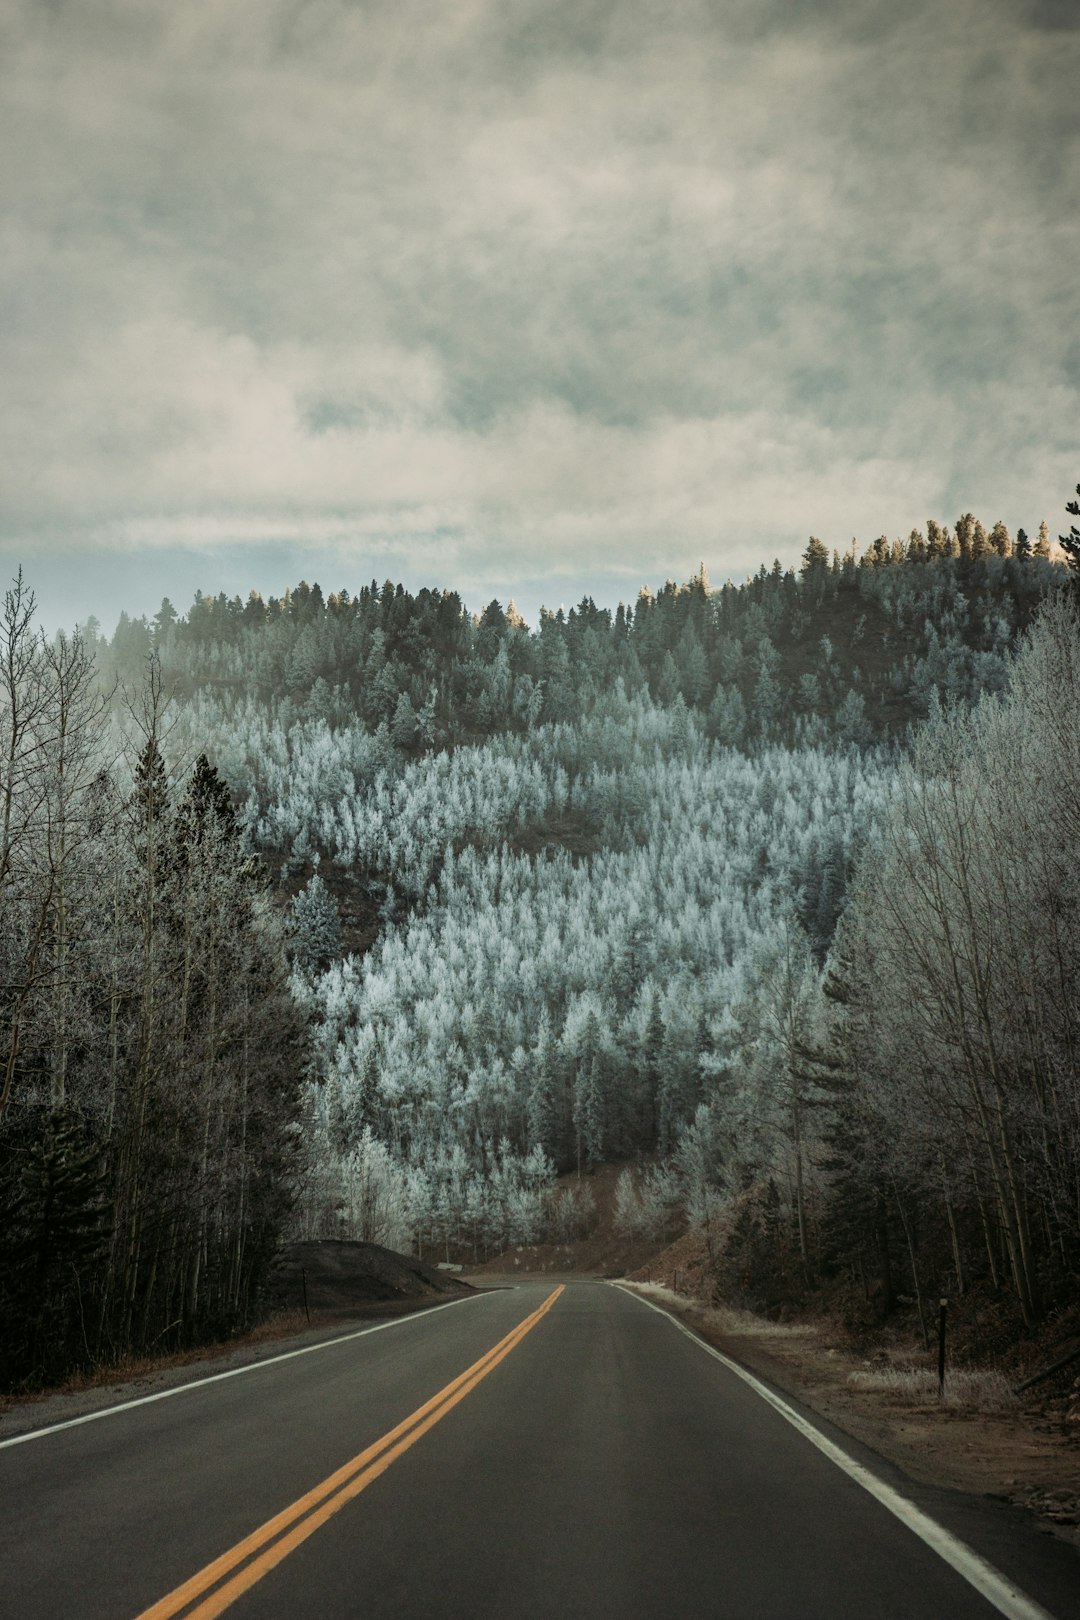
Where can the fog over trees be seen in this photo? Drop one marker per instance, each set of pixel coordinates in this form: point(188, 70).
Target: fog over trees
point(360, 916)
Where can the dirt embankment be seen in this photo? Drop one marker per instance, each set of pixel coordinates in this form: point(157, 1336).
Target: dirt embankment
point(335, 1278)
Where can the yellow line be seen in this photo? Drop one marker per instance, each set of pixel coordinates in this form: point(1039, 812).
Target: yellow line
point(347, 1482)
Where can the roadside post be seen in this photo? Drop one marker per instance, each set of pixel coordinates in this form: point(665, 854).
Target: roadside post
point(942, 1308)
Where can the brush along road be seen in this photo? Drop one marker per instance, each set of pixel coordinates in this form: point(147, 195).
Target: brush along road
point(542, 1451)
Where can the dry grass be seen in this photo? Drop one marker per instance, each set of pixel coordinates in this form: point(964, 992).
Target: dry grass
point(666, 1296)
point(727, 1319)
point(966, 1389)
point(281, 1326)
point(970, 1389)
point(724, 1318)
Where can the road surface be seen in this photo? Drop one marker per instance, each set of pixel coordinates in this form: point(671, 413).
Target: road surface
point(534, 1452)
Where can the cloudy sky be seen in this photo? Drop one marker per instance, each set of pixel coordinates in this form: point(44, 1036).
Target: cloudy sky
point(525, 297)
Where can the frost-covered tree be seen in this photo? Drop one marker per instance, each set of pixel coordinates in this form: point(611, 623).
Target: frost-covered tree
point(316, 926)
point(962, 1040)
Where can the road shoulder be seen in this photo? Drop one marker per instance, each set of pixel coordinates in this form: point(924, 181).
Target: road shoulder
point(1012, 1456)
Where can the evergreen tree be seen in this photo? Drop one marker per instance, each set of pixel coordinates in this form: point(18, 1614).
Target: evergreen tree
point(1070, 543)
point(668, 688)
point(1001, 540)
point(205, 811)
point(652, 1060)
point(150, 800)
point(316, 926)
point(815, 559)
point(588, 1107)
point(56, 1232)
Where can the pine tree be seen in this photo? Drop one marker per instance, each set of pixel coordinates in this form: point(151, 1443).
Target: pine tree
point(58, 1231)
point(546, 1121)
point(692, 666)
point(668, 688)
point(589, 1114)
point(588, 1108)
point(205, 811)
point(316, 927)
point(651, 1060)
point(164, 619)
point(150, 801)
point(1070, 543)
point(403, 726)
point(965, 536)
point(365, 1109)
point(1001, 540)
point(815, 559)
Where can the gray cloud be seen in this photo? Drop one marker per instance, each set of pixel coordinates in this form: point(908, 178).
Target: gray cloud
point(533, 287)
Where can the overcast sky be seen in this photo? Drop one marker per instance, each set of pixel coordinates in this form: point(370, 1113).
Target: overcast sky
point(525, 297)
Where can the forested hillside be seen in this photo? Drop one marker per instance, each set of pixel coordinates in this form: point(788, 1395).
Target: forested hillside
point(849, 650)
point(362, 916)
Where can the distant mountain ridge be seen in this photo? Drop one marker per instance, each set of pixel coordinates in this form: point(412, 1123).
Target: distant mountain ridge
point(850, 650)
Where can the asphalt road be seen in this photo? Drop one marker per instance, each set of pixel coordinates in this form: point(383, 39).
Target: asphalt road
point(595, 1461)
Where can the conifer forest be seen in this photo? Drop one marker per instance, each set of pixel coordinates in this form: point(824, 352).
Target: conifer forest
point(363, 915)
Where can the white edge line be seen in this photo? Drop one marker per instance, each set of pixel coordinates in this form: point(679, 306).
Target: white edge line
point(996, 1588)
point(233, 1372)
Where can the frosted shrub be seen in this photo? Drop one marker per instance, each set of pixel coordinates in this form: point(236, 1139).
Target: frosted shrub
point(978, 1389)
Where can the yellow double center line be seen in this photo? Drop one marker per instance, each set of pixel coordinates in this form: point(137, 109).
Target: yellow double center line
point(259, 1552)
